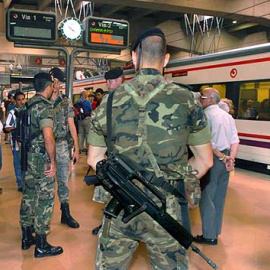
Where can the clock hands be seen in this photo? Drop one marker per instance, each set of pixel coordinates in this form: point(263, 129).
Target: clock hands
point(71, 28)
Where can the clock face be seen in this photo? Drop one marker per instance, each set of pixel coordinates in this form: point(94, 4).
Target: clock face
point(71, 29)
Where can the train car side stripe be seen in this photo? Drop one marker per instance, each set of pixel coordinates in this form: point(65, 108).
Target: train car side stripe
point(255, 143)
point(237, 63)
point(254, 136)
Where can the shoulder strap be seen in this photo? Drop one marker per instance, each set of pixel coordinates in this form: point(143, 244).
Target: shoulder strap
point(142, 130)
point(159, 180)
point(58, 100)
point(109, 122)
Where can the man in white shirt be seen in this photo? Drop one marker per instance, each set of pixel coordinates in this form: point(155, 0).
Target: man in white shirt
point(224, 143)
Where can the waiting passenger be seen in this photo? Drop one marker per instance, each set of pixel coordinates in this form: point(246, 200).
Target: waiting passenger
point(229, 108)
point(85, 109)
point(10, 126)
point(250, 112)
point(264, 113)
point(99, 94)
point(91, 98)
point(224, 145)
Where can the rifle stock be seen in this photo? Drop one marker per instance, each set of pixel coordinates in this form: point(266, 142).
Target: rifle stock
point(121, 179)
point(23, 137)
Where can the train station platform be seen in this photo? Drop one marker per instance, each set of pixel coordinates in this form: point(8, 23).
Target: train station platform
point(243, 245)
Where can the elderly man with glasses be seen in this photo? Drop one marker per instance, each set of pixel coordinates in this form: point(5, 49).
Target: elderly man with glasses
point(224, 145)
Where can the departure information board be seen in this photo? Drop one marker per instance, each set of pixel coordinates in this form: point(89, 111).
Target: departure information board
point(31, 26)
point(104, 33)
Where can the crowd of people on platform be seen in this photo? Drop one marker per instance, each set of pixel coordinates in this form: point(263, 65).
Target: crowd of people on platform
point(144, 131)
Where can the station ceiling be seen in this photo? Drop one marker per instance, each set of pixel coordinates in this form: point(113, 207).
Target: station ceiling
point(251, 16)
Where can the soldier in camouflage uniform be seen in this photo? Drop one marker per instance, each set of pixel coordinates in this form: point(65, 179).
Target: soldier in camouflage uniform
point(39, 185)
point(114, 78)
point(64, 133)
point(150, 115)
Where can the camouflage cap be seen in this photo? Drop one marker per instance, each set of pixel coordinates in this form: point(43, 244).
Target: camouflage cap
point(113, 74)
point(58, 74)
point(144, 34)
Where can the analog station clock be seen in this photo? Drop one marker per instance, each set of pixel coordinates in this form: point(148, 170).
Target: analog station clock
point(71, 28)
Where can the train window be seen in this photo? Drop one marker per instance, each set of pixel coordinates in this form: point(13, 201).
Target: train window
point(254, 101)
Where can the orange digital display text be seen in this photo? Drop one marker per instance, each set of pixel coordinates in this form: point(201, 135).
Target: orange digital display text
point(106, 39)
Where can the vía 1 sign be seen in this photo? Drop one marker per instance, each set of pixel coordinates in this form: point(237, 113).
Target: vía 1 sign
point(30, 26)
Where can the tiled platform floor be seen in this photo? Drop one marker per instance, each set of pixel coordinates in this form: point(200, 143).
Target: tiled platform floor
point(243, 245)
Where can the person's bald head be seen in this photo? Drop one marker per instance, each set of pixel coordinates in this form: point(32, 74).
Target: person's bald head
point(209, 96)
point(84, 94)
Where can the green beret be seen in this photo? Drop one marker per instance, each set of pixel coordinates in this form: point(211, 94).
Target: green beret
point(144, 34)
point(113, 74)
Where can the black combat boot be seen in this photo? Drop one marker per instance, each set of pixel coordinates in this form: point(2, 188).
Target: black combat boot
point(66, 218)
point(27, 238)
point(43, 248)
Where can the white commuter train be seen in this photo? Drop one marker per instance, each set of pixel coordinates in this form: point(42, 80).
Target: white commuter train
point(241, 75)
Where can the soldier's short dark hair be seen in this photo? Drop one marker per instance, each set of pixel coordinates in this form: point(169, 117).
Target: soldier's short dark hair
point(41, 81)
point(152, 43)
point(18, 94)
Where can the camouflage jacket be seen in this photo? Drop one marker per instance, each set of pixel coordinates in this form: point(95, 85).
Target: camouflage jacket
point(63, 109)
point(173, 119)
point(42, 115)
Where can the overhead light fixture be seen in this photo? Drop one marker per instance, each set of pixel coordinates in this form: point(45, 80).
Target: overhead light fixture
point(234, 22)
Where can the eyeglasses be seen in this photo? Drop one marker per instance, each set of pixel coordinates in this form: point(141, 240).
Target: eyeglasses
point(204, 97)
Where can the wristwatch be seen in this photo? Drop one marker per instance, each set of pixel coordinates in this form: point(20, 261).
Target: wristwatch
point(71, 28)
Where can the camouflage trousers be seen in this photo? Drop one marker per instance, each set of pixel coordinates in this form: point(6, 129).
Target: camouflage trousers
point(38, 195)
point(63, 163)
point(164, 251)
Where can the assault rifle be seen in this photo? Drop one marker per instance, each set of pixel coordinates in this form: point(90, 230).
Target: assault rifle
point(23, 131)
point(22, 135)
point(122, 179)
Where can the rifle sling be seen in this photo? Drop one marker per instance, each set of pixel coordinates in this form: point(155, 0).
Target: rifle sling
point(109, 122)
point(157, 181)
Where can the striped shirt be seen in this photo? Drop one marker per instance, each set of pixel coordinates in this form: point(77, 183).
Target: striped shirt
point(11, 122)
